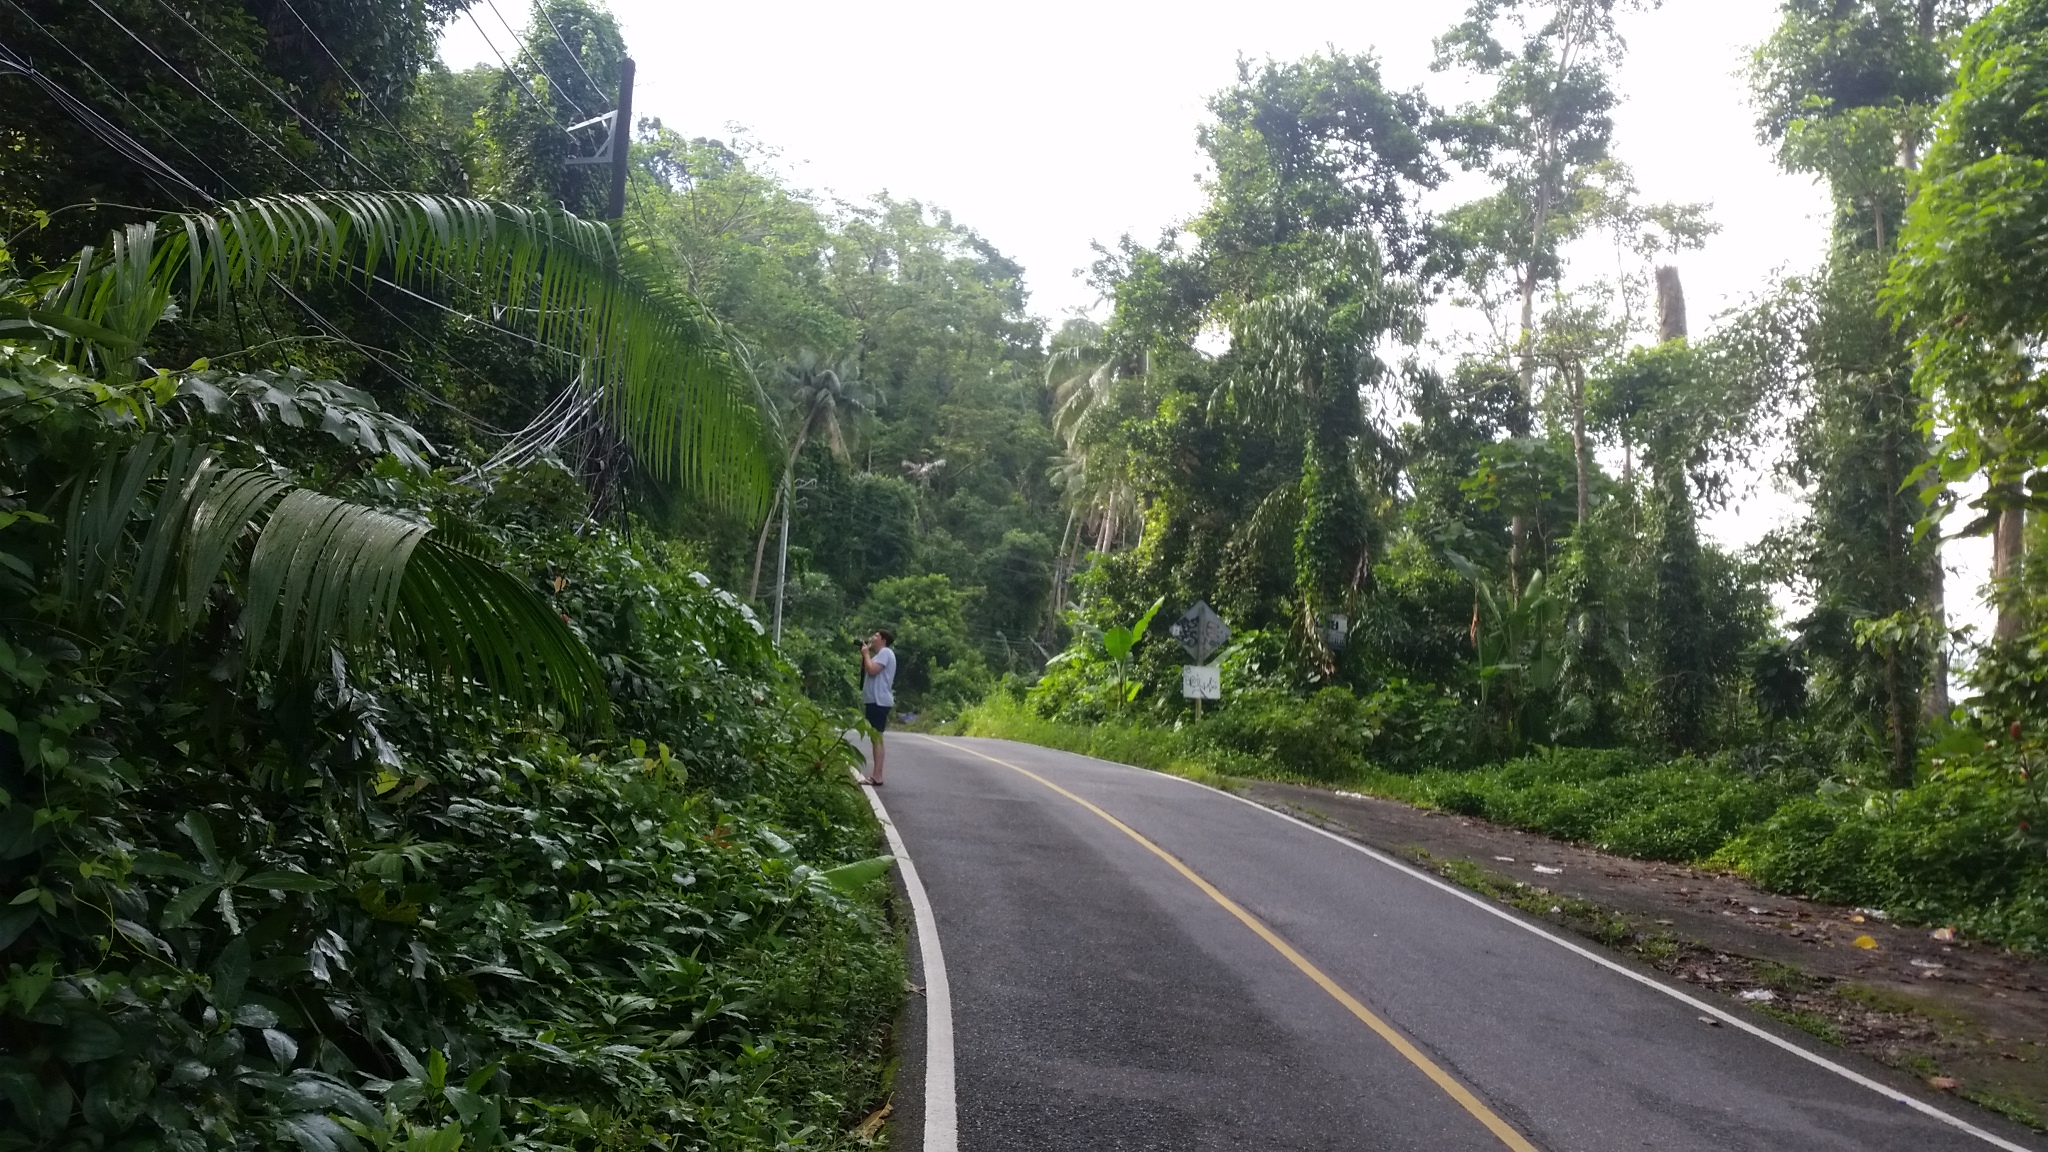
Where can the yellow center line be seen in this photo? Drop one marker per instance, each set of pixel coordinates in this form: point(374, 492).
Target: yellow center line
point(1444, 1080)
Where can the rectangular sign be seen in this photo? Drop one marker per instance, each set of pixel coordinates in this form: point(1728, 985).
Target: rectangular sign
point(1201, 682)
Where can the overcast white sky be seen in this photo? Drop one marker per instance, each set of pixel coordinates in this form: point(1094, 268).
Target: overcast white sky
point(1048, 126)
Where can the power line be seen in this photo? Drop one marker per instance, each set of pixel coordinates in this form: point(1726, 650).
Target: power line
point(162, 132)
point(575, 57)
point(253, 134)
point(104, 130)
point(509, 70)
point(129, 147)
point(310, 179)
point(308, 121)
point(359, 85)
point(527, 51)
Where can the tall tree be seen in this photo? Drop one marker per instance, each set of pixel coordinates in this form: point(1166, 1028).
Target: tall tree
point(1846, 91)
point(1966, 281)
point(1543, 136)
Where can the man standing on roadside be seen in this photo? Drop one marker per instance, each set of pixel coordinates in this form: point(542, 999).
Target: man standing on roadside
point(877, 692)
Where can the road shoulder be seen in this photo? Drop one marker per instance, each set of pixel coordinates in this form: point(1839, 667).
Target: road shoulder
point(1968, 1018)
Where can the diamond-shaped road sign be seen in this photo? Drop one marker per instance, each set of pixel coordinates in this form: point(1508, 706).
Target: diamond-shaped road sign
point(1201, 631)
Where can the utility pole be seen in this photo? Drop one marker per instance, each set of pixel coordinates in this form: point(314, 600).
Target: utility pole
point(622, 139)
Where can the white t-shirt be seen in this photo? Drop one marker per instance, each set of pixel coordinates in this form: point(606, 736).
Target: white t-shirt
point(880, 688)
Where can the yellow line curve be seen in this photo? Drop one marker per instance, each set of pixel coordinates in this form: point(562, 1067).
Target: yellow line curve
point(1444, 1080)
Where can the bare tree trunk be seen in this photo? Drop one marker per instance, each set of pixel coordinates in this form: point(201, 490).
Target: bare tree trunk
point(761, 545)
point(1935, 704)
point(789, 477)
point(1059, 567)
point(1670, 305)
point(2008, 553)
point(1579, 448)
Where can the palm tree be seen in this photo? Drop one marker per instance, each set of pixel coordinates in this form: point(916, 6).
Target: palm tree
point(818, 394)
point(1080, 374)
point(157, 518)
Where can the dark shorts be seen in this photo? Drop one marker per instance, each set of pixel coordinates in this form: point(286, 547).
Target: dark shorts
point(878, 716)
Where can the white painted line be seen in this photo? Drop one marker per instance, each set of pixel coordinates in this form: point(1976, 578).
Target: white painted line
point(941, 1108)
point(1493, 909)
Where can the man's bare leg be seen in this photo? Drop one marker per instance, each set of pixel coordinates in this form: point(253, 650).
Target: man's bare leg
point(875, 769)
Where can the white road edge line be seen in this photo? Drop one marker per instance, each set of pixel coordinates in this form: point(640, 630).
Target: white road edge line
point(1493, 909)
point(941, 1107)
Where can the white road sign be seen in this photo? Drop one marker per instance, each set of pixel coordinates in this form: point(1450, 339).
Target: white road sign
point(1201, 682)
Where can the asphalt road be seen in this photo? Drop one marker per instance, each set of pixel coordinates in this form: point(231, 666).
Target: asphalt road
point(1272, 987)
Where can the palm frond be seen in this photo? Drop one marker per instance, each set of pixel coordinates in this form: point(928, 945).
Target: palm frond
point(324, 574)
point(460, 615)
point(667, 374)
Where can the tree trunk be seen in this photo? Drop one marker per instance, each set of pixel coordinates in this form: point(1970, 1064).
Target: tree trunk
point(1579, 448)
point(1904, 700)
point(789, 478)
point(1670, 305)
point(1905, 728)
point(2008, 554)
point(761, 545)
point(1934, 703)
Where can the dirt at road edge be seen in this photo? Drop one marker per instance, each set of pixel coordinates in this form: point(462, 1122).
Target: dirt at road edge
point(1967, 1017)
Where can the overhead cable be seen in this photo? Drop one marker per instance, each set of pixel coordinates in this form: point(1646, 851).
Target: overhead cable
point(311, 180)
point(575, 57)
point(351, 77)
point(162, 132)
point(102, 129)
point(509, 70)
point(526, 50)
point(308, 121)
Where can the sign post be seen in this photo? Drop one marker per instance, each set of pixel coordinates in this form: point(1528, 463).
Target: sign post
point(1202, 632)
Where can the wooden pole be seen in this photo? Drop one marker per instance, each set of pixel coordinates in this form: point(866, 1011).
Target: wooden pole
point(622, 139)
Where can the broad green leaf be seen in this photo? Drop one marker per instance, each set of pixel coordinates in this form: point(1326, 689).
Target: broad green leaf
point(179, 909)
point(855, 876)
point(285, 882)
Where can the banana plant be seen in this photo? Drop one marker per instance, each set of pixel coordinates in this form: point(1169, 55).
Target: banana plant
point(1117, 643)
point(1518, 641)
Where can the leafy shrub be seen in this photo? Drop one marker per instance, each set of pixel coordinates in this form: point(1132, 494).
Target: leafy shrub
point(325, 915)
point(1322, 737)
point(256, 909)
point(1955, 849)
point(1682, 810)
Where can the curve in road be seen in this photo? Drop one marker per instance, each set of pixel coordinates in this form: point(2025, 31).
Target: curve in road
point(1107, 993)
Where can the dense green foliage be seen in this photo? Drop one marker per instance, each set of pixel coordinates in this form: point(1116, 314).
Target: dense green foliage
point(374, 776)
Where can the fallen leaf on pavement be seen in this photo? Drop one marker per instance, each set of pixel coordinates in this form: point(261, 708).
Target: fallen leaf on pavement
point(1710, 1022)
point(1945, 1083)
point(1943, 934)
point(1547, 870)
point(1864, 942)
